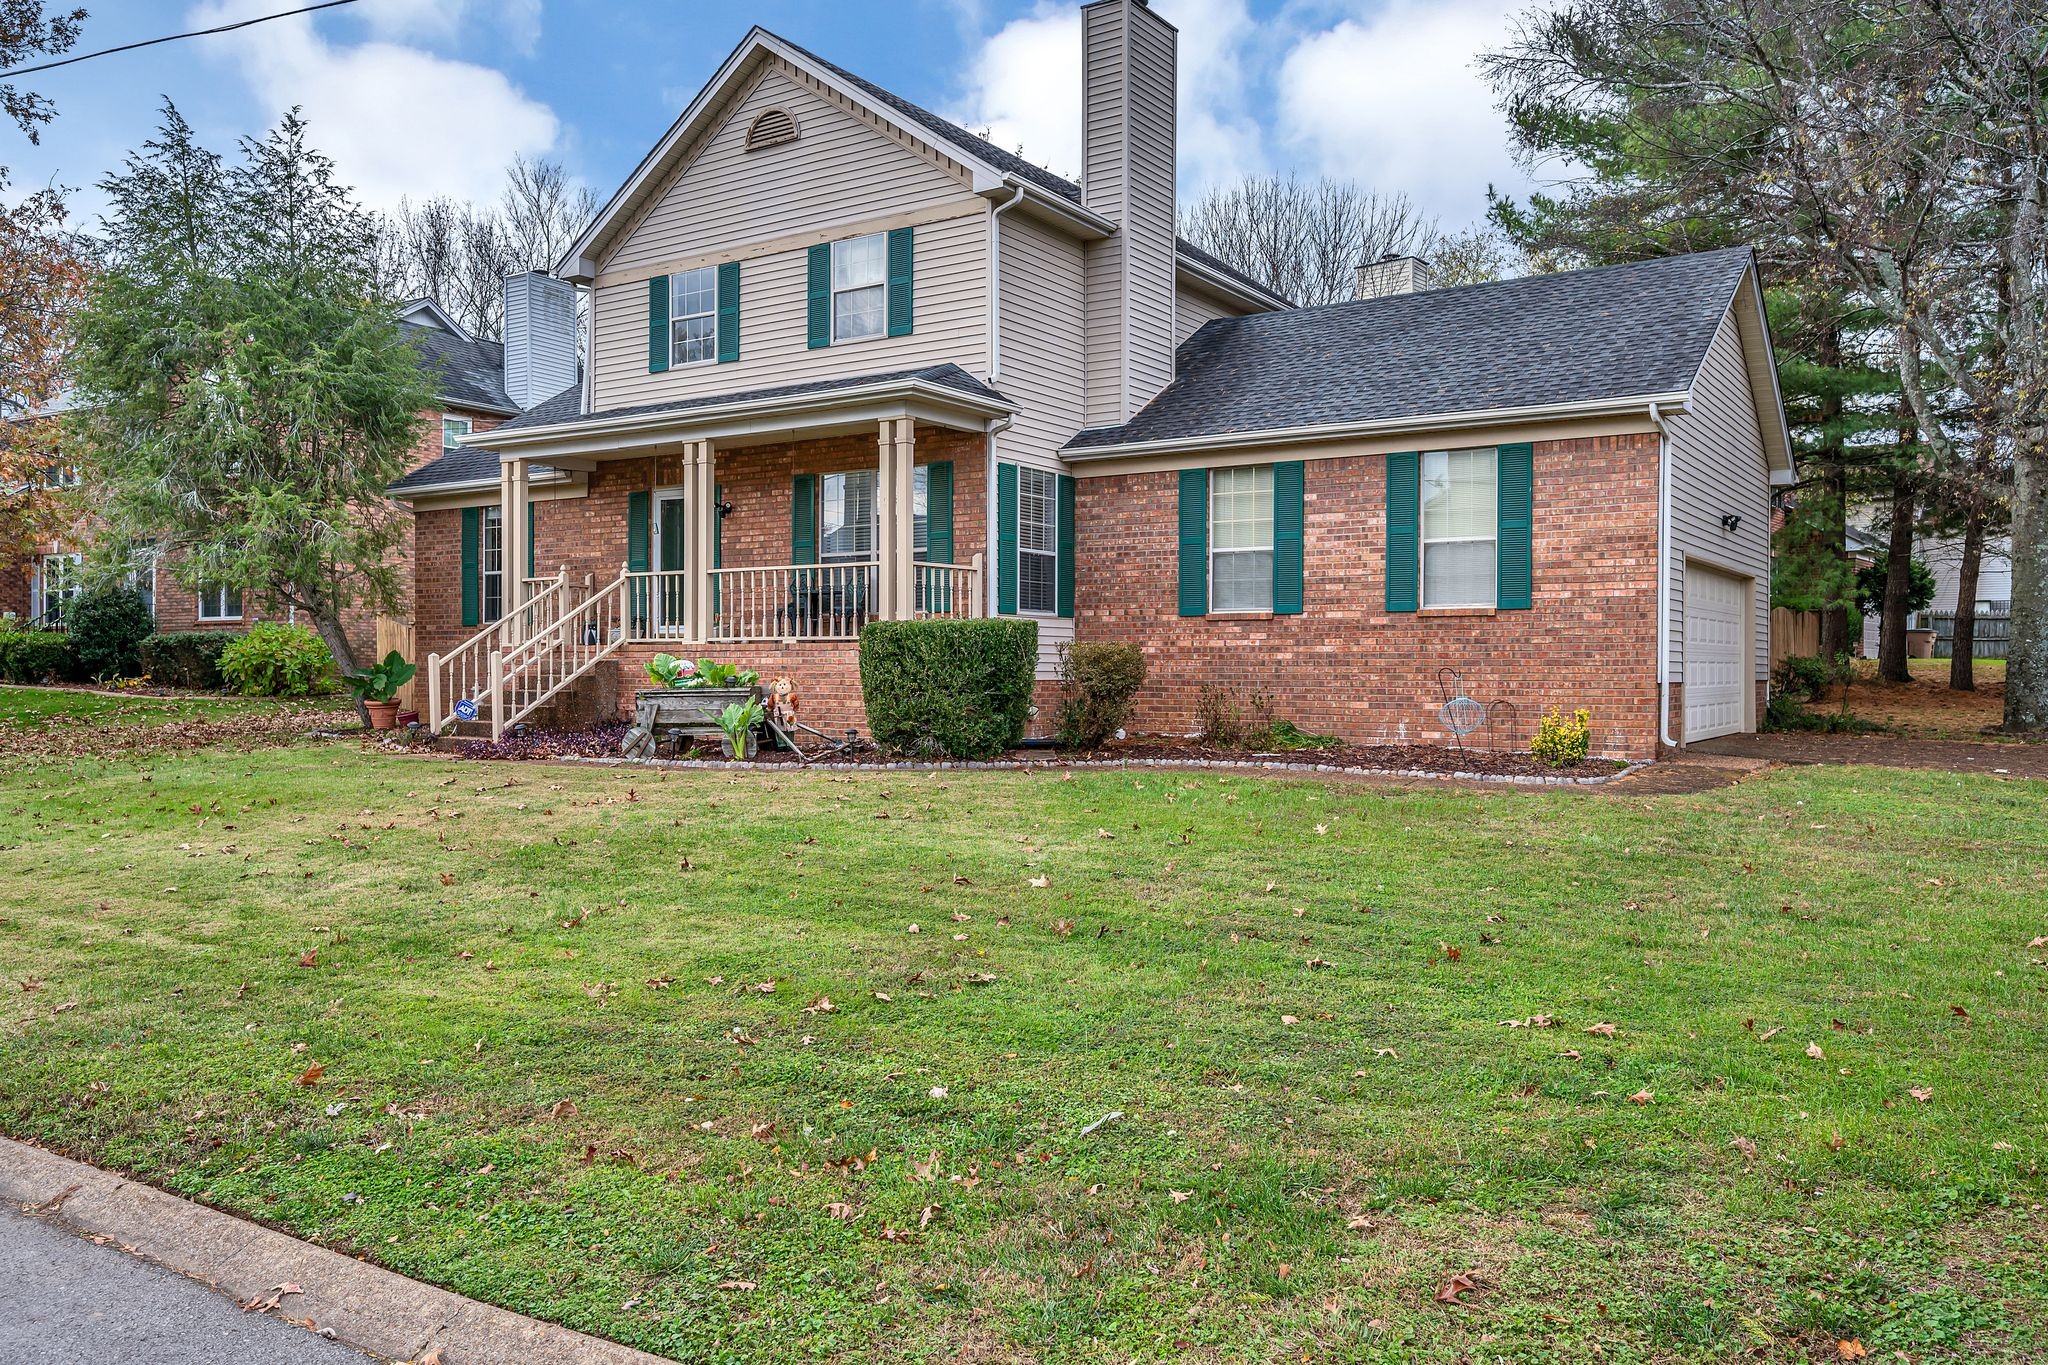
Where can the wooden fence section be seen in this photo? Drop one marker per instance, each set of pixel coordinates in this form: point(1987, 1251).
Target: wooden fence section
point(393, 633)
point(1793, 634)
point(1991, 637)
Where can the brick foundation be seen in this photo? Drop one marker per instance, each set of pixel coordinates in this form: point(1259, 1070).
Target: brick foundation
point(1348, 667)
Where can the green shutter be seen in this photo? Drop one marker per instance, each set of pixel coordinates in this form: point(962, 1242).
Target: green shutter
point(818, 293)
point(803, 519)
point(472, 566)
point(1516, 467)
point(1404, 511)
point(938, 512)
point(657, 324)
point(1287, 518)
point(529, 539)
point(1194, 542)
point(1064, 571)
point(728, 312)
point(901, 254)
point(639, 509)
point(1006, 539)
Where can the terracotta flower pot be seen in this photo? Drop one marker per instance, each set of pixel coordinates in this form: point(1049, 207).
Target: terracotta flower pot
point(383, 714)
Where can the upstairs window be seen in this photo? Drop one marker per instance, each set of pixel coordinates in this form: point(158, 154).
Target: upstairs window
point(693, 316)
point(453, 429)
point(860, 287)
point(1460, 527)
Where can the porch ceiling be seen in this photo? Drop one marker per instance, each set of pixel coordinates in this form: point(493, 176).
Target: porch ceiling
point(939, 395)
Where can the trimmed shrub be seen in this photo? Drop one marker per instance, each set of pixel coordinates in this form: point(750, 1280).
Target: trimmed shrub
point(276, 660)
point(107, 629)
point(37, 656)
point(1562, 741)
point(186, 658)
point(1100, 681)
point(951, 689)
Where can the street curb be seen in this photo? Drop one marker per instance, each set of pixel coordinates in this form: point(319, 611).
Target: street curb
point(362, 1305)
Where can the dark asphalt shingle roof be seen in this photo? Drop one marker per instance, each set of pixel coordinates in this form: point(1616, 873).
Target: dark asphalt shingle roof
point(1007, 162)
point(1576, 337)
point(467, 374)
point(474, 464)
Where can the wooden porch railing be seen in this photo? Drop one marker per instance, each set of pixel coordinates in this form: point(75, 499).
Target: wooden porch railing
point(948, 590)
point(464, 673)
point(534, 670)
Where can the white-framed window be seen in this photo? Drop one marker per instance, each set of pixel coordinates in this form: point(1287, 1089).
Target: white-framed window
point(1241, 539)
point(452, 430)
point(860, 287)
point(58, 580)
point(848, 516)
point(219, 602)
point(1038, 541)
point(491, 563)
point(141, 577)
point(693, 316)
point(1460, 528)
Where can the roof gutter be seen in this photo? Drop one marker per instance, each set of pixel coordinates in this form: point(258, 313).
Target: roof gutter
point(541, 476)
point(1338, 431)
point(1216, 282)
point(499, 439)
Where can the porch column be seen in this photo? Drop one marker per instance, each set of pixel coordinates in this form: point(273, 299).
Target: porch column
point(514, 485)
point(700, 518)
point(894, 516)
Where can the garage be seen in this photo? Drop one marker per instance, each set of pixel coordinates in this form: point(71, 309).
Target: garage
point(1717, 653)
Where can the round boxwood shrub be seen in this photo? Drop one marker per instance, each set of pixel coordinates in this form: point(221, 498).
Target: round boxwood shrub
point(948, 689)
point(186, 658)
point(275, 660)
point(108, 627)
point(1100, 680)
point(36, 656)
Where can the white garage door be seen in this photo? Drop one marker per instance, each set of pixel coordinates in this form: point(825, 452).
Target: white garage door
point(1717, 648)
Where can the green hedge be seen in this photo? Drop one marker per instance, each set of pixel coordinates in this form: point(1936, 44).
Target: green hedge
point(35, 656)
point(277, 660)
point(186, 658)
point(952, 689)
point(107, 628)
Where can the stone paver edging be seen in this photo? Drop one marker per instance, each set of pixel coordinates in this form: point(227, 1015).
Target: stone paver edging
point(368, 1307)
point(1064, 764)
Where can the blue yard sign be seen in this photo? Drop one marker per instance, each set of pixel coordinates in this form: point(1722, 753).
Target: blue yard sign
point(465, 709)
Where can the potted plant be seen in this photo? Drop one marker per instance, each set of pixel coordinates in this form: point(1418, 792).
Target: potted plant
point(736, 723)
point(377, 689)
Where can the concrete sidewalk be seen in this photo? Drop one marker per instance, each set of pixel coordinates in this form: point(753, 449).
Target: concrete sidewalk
point(65, 1298)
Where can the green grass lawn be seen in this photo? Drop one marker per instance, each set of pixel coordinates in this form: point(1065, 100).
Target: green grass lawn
point(511, 1029)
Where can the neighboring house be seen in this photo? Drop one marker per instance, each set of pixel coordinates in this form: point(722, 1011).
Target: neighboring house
point(1944, 559)
point(849, 361)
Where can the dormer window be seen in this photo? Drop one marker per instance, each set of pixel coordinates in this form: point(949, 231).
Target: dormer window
point(771, 128)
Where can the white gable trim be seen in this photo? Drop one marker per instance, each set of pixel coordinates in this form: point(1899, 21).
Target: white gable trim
point(1760, 366)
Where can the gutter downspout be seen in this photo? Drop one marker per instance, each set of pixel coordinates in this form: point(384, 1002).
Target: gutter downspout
point(988, 522)
point(995, 287)
point(1663, 673)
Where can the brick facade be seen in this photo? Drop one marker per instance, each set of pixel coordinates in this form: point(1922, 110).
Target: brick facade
point(1345, 665)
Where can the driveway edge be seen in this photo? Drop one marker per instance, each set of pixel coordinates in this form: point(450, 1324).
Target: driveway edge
point(362, 1305)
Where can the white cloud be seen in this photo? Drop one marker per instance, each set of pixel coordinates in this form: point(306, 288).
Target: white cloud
point(1394, 101)
point(517, 21)
point(1024, 89)
point(398, 121)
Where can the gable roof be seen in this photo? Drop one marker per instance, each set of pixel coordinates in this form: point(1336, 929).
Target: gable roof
point(467, 373)
point(1627, 332)
point(989, 164)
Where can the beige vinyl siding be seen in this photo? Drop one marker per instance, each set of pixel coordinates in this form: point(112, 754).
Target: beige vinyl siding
point(1192, 308)
point(1128, 165)
point(1043, 360)
point(1718, 467)
point(951, 312)
point(841, 166)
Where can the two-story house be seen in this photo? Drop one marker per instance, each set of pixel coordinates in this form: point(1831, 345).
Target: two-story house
point(848, 361)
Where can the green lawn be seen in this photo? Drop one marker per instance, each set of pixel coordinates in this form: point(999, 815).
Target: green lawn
point(502, 1027)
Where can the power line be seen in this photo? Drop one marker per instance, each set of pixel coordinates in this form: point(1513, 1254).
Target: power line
point(172, 38)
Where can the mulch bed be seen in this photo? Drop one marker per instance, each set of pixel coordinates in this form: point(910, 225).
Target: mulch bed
point(602, 742)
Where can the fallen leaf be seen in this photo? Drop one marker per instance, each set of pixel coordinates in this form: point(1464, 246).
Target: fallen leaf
point(1454, 1286)
point(1603, 1029)
point(562, 1109)
point(311, 1075)
point(1852, 1349)
point(845, 1213)
point(1744, 1146)
point(1921, 1093)
point(1813, 1051)
point(310, 958)
point(1041, 883)
point(1289, 1019)
point(822, 1005)
point(741, 1285)
point(1641, 1097)
point(1180, 1196)
point(924, 1219)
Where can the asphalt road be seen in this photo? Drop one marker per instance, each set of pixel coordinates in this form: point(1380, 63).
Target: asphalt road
point(64, 1299)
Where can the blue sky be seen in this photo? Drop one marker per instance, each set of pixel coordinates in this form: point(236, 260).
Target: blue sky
point(416, 97)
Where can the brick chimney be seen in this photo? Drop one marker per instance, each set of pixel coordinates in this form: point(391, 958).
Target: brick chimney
point(1128, 154)
point(1392, 274)
point(540, 337)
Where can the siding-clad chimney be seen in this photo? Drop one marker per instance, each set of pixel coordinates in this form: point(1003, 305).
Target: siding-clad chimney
point(1392, 274)
point(540, 337)
point(1128, 153)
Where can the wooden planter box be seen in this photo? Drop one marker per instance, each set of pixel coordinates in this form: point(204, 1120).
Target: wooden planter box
point(663, 713)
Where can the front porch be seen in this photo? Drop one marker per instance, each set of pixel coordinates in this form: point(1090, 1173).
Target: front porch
point(772, 545)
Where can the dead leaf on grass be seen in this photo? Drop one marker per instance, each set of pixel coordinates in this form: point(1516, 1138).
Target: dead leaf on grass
point(311, 1075)
point(1605, 1030)
point(1449, 1291)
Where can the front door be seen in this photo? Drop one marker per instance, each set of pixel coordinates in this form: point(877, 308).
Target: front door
point(671, 587)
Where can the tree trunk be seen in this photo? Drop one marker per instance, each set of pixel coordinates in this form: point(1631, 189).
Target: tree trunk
point(1898, 584)
point(1834, 616)
point(2026, 667)
point(344, 658)
point(1962, 671)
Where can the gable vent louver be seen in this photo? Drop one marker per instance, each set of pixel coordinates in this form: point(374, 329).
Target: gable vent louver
point(771, 128)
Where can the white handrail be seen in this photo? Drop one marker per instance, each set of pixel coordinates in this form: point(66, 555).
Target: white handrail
point(527, 675)
point(463, 674)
